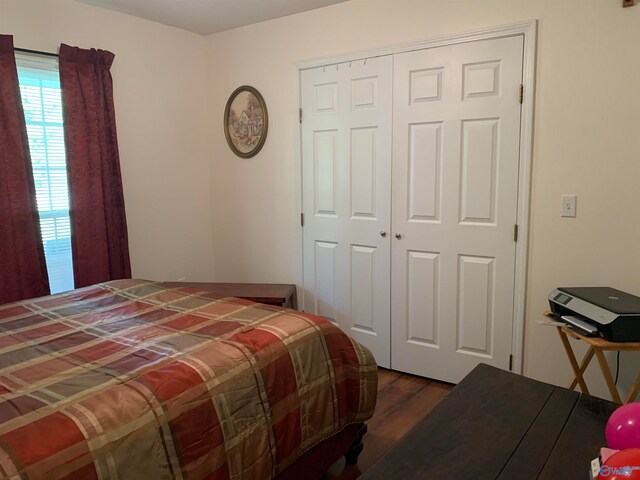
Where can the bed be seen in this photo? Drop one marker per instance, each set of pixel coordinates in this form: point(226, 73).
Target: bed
point(132, 379)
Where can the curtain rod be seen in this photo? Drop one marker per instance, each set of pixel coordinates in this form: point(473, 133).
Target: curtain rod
point(36, 52)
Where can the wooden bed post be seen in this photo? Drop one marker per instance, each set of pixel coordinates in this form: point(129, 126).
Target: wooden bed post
point(351, 457)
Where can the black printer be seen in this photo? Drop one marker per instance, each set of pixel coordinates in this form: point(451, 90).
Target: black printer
point(602, 311)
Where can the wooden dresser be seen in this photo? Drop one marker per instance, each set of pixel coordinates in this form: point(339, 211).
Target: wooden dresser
point(283, 295)
point(496, 425)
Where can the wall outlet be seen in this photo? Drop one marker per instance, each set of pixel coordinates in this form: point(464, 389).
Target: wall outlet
point(568, 206)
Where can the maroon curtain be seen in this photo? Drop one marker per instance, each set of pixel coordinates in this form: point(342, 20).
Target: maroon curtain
point(98, 224)
point(23, 270)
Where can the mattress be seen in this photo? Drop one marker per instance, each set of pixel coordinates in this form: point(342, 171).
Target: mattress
point(132, 379)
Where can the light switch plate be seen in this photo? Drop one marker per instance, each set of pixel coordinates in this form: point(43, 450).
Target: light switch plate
point(568, 205)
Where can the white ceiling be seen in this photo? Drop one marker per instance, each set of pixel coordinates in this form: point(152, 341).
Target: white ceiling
point(210, 16)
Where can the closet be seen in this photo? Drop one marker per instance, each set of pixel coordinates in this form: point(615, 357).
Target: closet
point(410, 178)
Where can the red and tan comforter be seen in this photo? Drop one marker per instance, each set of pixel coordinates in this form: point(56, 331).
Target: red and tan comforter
point(130, 379)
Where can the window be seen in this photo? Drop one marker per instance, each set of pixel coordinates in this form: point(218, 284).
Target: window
point(42, 104)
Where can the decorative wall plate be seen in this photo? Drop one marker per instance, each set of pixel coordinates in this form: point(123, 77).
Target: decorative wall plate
point(245, 121)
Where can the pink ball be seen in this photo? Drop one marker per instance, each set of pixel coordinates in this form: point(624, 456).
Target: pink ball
point(623, 427)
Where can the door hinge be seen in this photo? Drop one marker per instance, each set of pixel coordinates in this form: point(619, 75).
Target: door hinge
point(515, 232)
point(300, 115)
point(302, 219)
point(521, 93)
point(510, 362)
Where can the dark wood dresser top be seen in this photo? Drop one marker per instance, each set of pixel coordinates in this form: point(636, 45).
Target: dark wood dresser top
point(498, 425)
point(269, 293)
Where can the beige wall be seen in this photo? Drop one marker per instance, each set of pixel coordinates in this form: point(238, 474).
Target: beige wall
point(586, 141)
point(159, 80)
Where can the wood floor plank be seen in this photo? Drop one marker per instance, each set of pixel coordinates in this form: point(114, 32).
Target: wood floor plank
point(402, 403)
point(393, 423)
point(392, 397)
point(403, 400)
point(385, 377)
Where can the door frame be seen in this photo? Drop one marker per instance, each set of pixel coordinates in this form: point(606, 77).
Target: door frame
point(528, 29)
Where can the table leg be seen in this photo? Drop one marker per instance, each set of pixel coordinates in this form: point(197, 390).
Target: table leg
point(613, 390)
point(573, 361)
point(583, 366)
point(631, 396)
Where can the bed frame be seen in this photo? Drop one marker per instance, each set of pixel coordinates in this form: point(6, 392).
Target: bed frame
point(315, 462)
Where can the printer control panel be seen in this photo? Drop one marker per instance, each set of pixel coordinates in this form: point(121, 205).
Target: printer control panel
point(562, 298)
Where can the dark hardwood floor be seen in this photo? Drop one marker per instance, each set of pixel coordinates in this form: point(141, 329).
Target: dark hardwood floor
point(403, 400)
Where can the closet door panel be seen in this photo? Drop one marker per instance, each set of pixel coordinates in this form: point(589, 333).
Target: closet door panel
point(455, 178)
point(346, 150)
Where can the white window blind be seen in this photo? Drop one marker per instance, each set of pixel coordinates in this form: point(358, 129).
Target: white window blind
point(42, 103)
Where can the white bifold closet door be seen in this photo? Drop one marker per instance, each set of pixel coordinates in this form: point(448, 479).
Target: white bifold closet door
point(346, 151)
point(456, 128)
point(410, 188)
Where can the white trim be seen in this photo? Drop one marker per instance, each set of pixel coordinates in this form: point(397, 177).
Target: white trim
point(299, 236)
point(529, 31)
point(526, 28)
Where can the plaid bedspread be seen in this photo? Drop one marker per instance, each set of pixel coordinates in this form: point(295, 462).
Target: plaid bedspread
point(133, 380)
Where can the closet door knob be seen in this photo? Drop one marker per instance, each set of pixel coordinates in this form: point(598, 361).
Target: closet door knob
point(383, 233)
point(398, 236)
